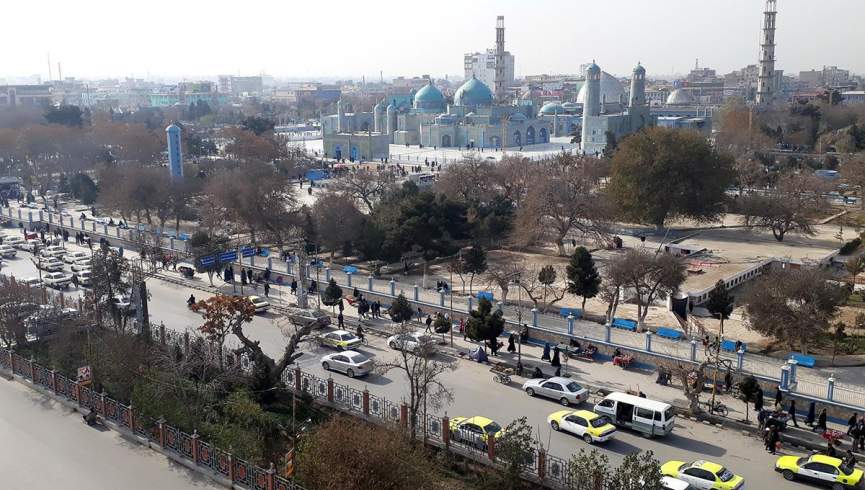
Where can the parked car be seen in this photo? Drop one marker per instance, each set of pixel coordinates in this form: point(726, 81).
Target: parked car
point(412, 342)
point(306, 316)
point(820, 469)
point(30, 245)
point(53, 251)
point(81, 265)
point(703, 475)
point(350, 362)
point(50, 264)
point(261, 305)
point(474, 430)
point(670, 483)
point(340, 340)
point(7, 251)
point(15, 241)
point(57, 280)
point(33, 282)
point(84, 277)
point(583, 423)
point(565, 390)
point(72, 257)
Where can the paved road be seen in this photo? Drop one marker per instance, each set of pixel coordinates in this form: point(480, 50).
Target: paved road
point(476, 394)
point(46, 445)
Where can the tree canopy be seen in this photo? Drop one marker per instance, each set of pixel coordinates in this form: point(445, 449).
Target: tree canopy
point(583, 277)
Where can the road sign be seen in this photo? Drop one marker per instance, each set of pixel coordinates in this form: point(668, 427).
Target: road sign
point(228, 256)
point(247, 251)
point(85, 375)
point(207, 261)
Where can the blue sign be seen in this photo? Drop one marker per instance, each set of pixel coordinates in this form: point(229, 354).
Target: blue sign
point(207, 261)
point(487, 295)
point(229, 256)
point(350, 269)
point(247, 251)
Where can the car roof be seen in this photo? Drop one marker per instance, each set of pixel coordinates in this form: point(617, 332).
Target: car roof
point(340, 331)
point(639, 401)
point(561, 379)
point(707, 465)
point(822, 458)
point(674, 483)
point(586, 414)
point(479, 420)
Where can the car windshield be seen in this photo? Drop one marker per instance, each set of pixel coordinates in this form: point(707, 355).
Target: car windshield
point(346, 336)
point(845, 468)
point(669, 414)
point(724, 474)
point(492, 428)
point(357, 359)
point(573, 387)
point(600, 422)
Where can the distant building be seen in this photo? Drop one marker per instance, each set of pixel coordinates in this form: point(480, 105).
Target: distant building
point(853, 97)
point(483, 65)
point(175, 152)
point(25, 95)
point(829, 76)
point(186, 93)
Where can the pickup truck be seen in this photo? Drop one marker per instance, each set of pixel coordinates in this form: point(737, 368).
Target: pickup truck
point(57, 280)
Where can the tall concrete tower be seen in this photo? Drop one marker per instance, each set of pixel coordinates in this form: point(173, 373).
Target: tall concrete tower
point(175, 154)
point(638, 87)
point(500, 58)
point(340, 123)
point(592, 105)
point(766, 77)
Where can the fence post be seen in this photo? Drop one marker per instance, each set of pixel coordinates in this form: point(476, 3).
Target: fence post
point(105, 232)
point(327, 273)
point(117, 232)
point(441, 298)
point(32, 370)
point(649, 341)
point(330, 390)
point(403, 415)
point(53, 377)
point(171, 243)
point(194, 438)
point(740, 358)
point(297, 385)
point(534, 317)
point(793, 365)
point(471, 304)
point(392, 287)
point(230, 465)
point(446, 430)
point(693, 351)
point(608, 332)
point(416, 292)
point(369, 283)
point(162, 334)
point(491, 447)
point(830, 389)
point(288, 268)
point(132, 418)
point(570, 324)
point(542, 463)
point(160, 425)
point(348, 275)
point(366, 402)
point(270, 477)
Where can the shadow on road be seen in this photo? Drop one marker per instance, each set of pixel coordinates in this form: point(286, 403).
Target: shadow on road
point(693, 445)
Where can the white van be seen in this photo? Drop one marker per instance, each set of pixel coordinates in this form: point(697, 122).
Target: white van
point(650, 417)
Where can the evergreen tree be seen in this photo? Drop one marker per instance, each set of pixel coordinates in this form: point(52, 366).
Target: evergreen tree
point(583, 277)
point(474, 263)
point(400, 310)
point(332, 294)
point(484, 324)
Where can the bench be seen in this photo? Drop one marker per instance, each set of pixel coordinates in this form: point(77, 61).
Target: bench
point(730, 346)
point(669, 333)
point(803, 360)
point(624, 324)
point(566, 312)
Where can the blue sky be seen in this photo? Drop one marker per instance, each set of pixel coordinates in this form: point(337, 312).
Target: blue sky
point(290, 38)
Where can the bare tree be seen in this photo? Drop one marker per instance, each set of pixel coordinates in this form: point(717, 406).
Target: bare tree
point(649, 275)
point(788, 207)
point(470, 181)
point(17, 302)
point(423, 372)
point(365, 186)
point(337, 220)
point(503, 275)
point(539, 284)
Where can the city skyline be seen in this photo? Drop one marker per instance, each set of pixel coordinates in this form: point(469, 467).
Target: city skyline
point(412, 40)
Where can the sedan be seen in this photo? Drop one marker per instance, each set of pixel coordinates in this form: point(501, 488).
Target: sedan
point(81, 265)
point(703, 475)
point(261, 305)
point(72, 257)
point(583, 423)
point(57, 279)
point(474, 430)
point(340, 340)
point(564, 390)
point(33, 282)
point(819, 469)
point(7, 251)
point(51, 264)
point(412, 342)
point(350, 362)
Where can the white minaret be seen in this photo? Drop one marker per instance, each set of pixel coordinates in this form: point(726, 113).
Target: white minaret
point(592, 105)
point(500, 59)
point(766, 77)
point(339, 117)
point(638, 87)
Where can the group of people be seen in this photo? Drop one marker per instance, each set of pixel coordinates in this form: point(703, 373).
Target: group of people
point(856, 430)
point(555, 360)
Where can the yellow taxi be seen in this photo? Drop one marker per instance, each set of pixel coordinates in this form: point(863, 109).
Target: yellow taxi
point(821, 469)
point(474, 430)
point(583, 423)
point(703, 475)
point(340, 340)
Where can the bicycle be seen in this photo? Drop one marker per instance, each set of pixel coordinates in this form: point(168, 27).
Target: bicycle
point(718, 408)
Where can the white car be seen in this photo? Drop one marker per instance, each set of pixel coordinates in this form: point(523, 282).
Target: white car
point(670, 483)
point(350, 362)
point(31, 245)
point(7, 251)
point(84, 277)
point(57, 279)
point(81, 265)
point(565, 390)
point(15, 241)
point(72, 257)
point(53, 251)
point(412, 342)
point(261, 305)
point(51, 264)
point(122, 302)
point(33, 282)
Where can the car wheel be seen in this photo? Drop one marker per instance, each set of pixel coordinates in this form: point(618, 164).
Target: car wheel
point(838, 486)
point(588, 438)
point(554, 425)
point(349, 372)
point(392, 345)
point(564, 401)
point(789, 475)
point(530, 392)
point(325, 366)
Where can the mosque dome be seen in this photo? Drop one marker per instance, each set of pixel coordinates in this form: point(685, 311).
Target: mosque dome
point(611, 89)
point(429, 98)
point(639, 70)
point(570, 107)
point(552, 108)
point(518, 117)
point(679, 97)
point(473, 93)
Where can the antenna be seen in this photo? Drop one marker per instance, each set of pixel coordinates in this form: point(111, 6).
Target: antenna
point(49, 67)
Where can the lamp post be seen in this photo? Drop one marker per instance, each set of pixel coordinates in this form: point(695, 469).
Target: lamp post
point(519, 322)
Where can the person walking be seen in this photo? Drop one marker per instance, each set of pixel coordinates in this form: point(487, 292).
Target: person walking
point(728, 381)
point(429, 325)
point(463, 328)
point(340, 319)
point(821, 422)
point(511, 347)
point(812, 408)
point(267, 290)
point(779, 397)
point(774, 439)
point(546, 355)
point(792, 412)
point(342, 306)
point(249, 275)
point(860, 440)
point(294, 286)
point(556, 362)
point(851, 422)
point(758, 400)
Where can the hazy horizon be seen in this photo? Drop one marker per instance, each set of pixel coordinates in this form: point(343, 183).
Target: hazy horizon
point(341, 39)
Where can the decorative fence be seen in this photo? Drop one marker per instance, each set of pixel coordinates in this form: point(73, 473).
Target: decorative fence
point(172, 440)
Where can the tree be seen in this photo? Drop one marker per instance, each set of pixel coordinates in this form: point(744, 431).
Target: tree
point(400, 310)
point(337, 220)
point(588, 470)
point(638, 471)
point(649, 275)
point(338, 456)
point(332, 294)
point(788, 207)
point(539, 284)
point(206, 249)
point(109, 279)
point(748, 389)
point(257, 125)
point(364, 186)
point(855, 266)
point(660, 174)
point(503, 275)
point(853, 173)
point(794, 306)
point(17, 302)
point(67, 115)
point(484, 324)
point(423, 373)
point(583, 277)
point(221, 315)
point(720, 305)
point(474, 263)
point(82, 187)
point(516, 449)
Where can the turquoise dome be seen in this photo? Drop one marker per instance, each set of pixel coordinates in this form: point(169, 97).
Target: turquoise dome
point(552, 108)
point(473, 93)
point(429, 98)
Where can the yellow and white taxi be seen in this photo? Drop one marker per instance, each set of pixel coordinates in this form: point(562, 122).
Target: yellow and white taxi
point(583, 423)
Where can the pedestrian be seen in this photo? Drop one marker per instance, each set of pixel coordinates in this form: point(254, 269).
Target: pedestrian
point(546, 354)
point(774, 439)
point(355, 293)
point(342, 306)
point(758, 400)
point(419, 313)
point(242, 276)
point(267, 289)
point(830, 450)
point(428, 324)
point(821, 422)
point(249, 275)
point(340, 319)
point(779, 397)
point(556, 362)
point(860, 441)
point(792, 412)
point(850, 458)
point(728, 381)
point(851, 422)
point(738, 345)
point(761, 419)
point(511, 347)
point(494, 346)
point(463, 327)
point(294, 286)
